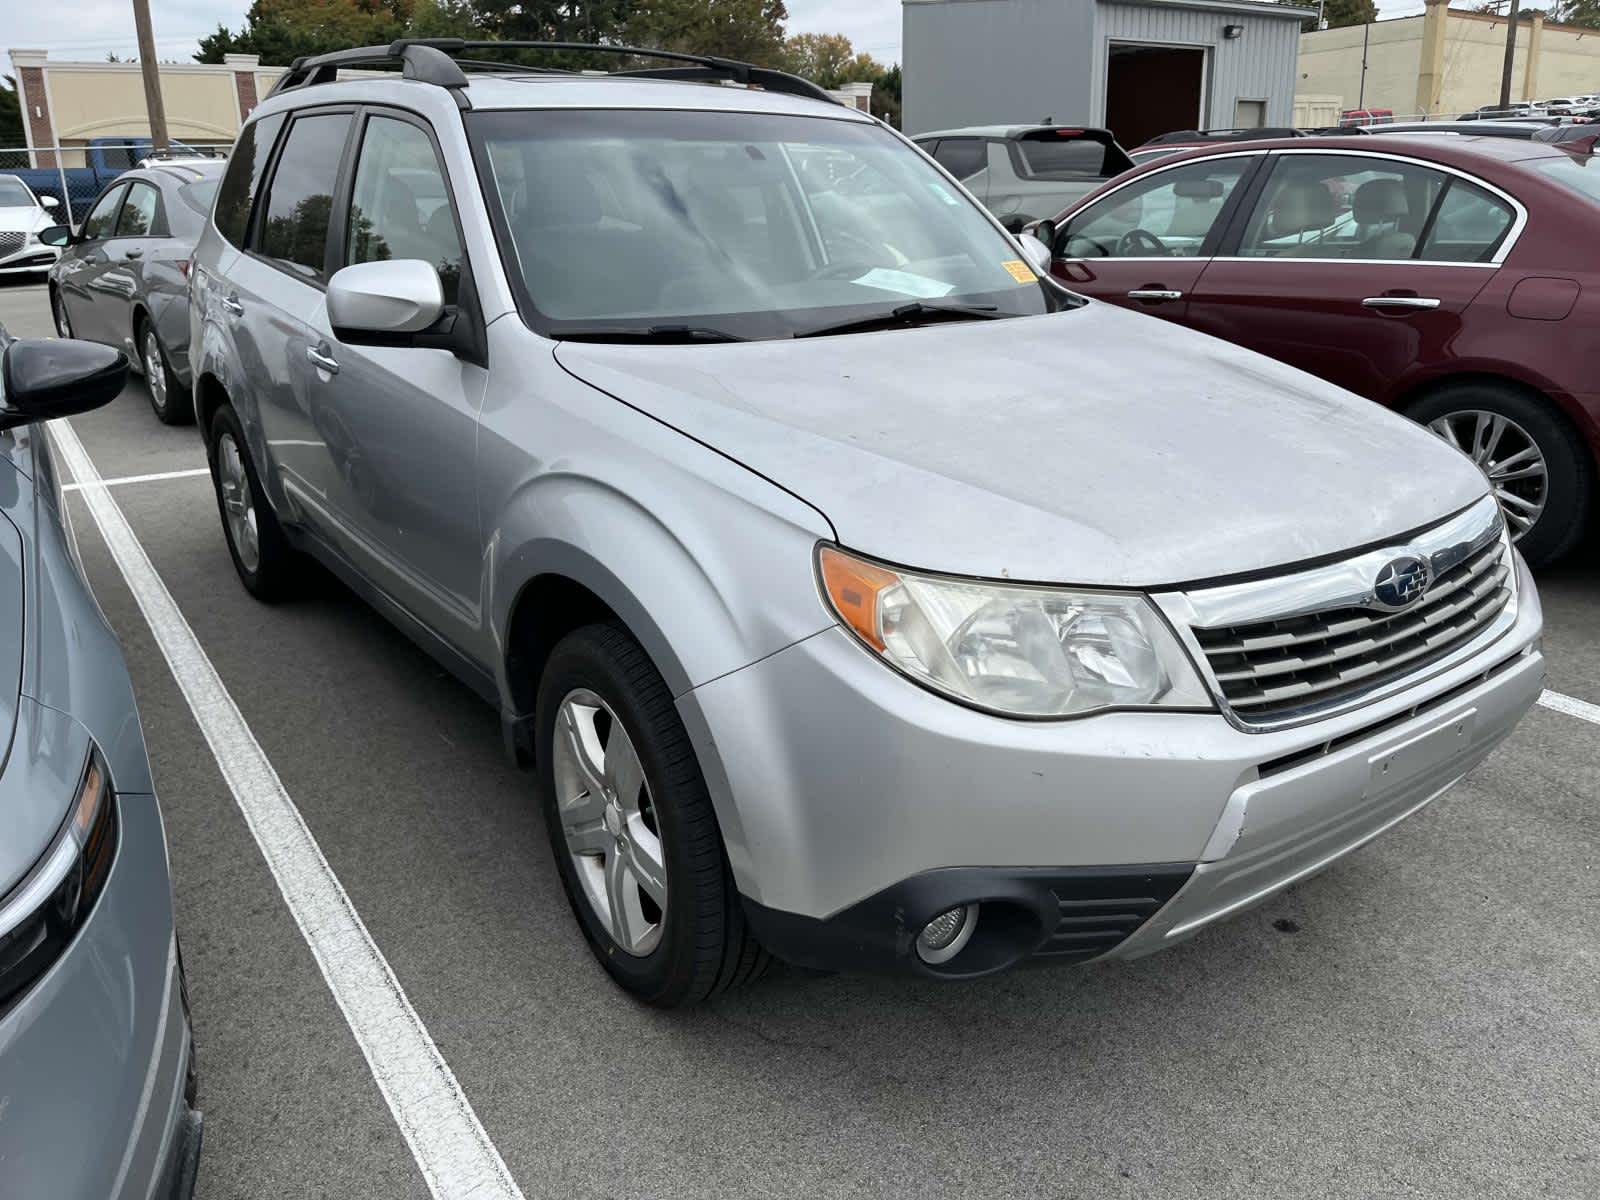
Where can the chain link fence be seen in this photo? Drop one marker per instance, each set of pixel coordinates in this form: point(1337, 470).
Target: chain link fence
point(75, 173)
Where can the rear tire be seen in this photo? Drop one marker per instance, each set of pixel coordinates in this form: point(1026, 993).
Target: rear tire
point(1514, 436)
point(640, 797)
point(268, 566)
point(172, 403)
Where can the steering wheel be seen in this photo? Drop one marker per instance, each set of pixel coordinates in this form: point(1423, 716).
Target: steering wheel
point(1135, 240)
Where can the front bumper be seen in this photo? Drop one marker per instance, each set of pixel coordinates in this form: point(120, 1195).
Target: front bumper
point(855, 805)
point(96, 1058)
point(30, 259)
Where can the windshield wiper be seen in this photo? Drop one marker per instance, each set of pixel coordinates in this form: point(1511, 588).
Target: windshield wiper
point(649, 333)
point(909, 314)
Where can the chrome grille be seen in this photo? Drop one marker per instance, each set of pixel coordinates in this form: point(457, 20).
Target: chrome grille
point(11, 241)
point(1271, 670)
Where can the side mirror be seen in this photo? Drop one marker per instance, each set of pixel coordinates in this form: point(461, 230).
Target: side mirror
point(383, 302)
point(55, 235)
point(49, 202)
point(1036, 251)
point(1047, 232)
point(44, 378)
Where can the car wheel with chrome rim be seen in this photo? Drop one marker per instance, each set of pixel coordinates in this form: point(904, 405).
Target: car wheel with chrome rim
point(632, 827)
point(268, 566)
point(172, 404)
point(1536, 464)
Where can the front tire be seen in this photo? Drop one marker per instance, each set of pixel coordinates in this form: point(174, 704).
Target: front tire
point(631, 825)
point(1539, 468)
point(173, 405)
point(268, 566)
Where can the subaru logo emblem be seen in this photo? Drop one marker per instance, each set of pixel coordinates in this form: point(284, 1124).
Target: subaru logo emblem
point(1401, 582)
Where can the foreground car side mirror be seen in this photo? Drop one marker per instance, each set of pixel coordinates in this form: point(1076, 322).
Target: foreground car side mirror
point(384, 302)
point(1037, 252)
point(55, 235)
point(42, 378)
point(49, 201)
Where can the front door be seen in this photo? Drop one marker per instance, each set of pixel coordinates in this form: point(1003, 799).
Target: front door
point(79, 279)
point(1353, 267)
point(400, 423)
point(1144, 245)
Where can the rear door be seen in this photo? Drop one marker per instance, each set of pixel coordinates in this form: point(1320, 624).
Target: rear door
point(399, 424)
point(84, 264)
point(1354, 266)
point(1145, 244)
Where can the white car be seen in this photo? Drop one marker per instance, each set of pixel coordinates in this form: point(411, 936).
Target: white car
point(23, 216)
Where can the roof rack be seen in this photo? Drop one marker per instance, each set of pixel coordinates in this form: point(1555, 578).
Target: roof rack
point(434, 60)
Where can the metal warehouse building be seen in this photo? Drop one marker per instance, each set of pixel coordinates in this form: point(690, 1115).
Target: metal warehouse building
point(1140, 67)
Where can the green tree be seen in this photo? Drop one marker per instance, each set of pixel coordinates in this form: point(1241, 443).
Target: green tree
point(750, 30)
point(283, 30)
point(1339, 13)
point(1577, 12)
point(829, 59)
point(11, 134)
point(444, 18)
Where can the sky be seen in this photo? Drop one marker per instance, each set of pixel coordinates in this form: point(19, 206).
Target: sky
point(89, 29)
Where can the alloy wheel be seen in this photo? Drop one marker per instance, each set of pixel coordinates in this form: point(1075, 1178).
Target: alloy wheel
point(608, 817)
point(63, 325)
point(155, 371)
point(238, 502)
point(1511, 459)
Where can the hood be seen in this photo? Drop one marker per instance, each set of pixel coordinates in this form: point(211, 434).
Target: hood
point(23, 219)
point(1093, 446)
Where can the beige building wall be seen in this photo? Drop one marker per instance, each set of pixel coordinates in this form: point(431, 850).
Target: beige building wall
point(1473, 51)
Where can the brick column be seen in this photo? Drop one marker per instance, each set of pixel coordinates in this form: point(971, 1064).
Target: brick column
point(1430, 71)
point(244, 81)
point(37, 124)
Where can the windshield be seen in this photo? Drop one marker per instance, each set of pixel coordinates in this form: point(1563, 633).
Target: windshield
point(753, 226)
point(1581, 177)
point(14, 194)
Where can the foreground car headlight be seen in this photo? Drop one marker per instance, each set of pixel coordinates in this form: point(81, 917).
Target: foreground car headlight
point(39, 920)
point(1020, 651)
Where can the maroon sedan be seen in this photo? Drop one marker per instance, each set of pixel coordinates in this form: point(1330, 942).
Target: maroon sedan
point(1454, 278)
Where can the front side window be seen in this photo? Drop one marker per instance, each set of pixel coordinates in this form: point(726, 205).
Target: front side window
point(138, 217)
point(753, 225)
point(962, 157)
point(1332, 206)
point(1168, 214)
point(236, 194)
point(400, 206)
point(299, 200)
point(98, 223)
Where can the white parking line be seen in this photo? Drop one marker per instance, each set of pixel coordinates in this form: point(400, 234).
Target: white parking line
point(452, 1150)
point(1572, 706)
point(77, 486)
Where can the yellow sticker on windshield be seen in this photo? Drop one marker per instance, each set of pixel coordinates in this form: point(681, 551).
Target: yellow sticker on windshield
point(1020, 271)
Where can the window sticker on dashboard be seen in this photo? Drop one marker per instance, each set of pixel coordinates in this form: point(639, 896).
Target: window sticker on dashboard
point(905, 283)
point(1019, 270)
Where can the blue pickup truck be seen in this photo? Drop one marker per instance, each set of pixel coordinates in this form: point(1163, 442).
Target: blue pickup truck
point(107, 157)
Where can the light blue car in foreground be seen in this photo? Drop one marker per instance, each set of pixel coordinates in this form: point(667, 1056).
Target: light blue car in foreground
point(97, 1083)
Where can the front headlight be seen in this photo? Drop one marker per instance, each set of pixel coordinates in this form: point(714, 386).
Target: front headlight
point(1020, 651)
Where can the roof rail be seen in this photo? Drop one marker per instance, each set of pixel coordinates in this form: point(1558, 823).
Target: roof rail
point(433, 60)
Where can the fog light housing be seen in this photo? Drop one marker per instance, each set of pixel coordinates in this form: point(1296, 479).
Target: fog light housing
point(947, 935)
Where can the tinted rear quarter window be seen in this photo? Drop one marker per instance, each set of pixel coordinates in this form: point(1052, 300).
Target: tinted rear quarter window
point(299, 199)
point(238, 187)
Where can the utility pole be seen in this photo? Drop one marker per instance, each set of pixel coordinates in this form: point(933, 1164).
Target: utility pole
point(151, 71)
point(1511, 56)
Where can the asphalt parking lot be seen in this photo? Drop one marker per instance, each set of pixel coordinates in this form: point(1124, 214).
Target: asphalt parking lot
point(1419, 1020)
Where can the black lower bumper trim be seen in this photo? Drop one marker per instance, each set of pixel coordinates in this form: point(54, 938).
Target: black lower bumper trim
point(1044, 914)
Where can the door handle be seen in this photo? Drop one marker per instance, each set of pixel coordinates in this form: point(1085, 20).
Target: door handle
point(231, 306)
point(1400, 302)
point(322, 361)
point(1154, 294)
point(134, 253)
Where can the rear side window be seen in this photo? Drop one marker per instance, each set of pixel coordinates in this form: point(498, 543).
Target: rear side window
point(962, 157)
point(1468, 227)
point(299, 199)
point(138, 217)
point(238, 187)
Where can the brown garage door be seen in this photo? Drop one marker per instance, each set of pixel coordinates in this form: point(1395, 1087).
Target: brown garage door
point(1153, 89)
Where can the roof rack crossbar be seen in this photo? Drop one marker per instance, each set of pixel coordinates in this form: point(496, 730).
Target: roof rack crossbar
point(433, 60)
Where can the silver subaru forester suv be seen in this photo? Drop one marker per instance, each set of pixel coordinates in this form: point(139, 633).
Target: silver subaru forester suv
point(860, 596)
